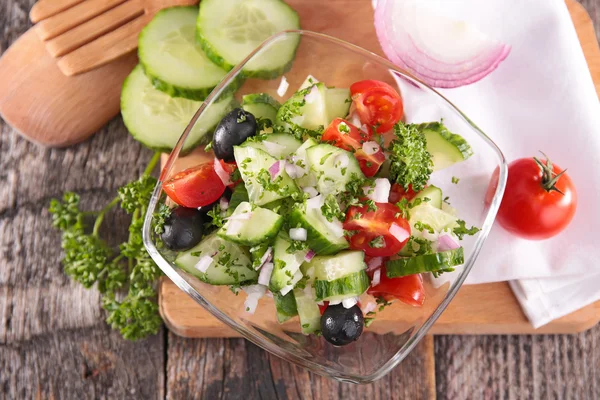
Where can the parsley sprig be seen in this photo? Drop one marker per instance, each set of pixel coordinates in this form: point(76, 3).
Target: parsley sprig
point(410, 162)
point(126, 277)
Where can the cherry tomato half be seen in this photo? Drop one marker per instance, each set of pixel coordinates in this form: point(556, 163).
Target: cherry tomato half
point(195, 187)
point(377, 103)
point(375, 232)
point(408, 289)
point(533, 206)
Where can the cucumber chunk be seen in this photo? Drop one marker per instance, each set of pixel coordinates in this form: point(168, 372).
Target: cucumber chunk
point(446, 148)
point(171, 58)
point(158, 120)
point(337, 101)
point(309, 81)
point(261, 105)
point(434, 217)
point(231, 264)
point(319, 237)
point(433, 193)
point(437, 262)
point(352, 285)
point(278, 145)
point(303, 114)
point(261, 226)
point(334, 168)
point(254, 167)
point(229, 30)
point(308, 310)
point(285, 306)
point(286, 264)
point(330, 268)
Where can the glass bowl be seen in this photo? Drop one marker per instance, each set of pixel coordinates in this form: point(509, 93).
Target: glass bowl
point(383, 344)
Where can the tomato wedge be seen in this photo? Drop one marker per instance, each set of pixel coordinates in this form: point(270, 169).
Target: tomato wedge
point(344, 135)
point(378, 104)
point(408, 289)
point(397, 193)
point(379, 233)
point(195, 187)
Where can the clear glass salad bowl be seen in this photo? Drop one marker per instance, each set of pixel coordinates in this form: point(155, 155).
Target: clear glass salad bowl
point(383, 344)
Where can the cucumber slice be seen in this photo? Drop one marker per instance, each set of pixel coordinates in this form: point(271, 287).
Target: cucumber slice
point(352, 285)
point(428, 214)
point(319, 237)
point(446, 148)
point(308, 310)
point(261, 226)
point(278, 145)
point(326, 161)
point(310, 115)
point(171, 59)
point(285, 306)
point(254, 167)
point(239, 195)
point(309, 81)
point(330, 268)
point(229, 30)
point(286, 264)
point(433, 193)
point(337, 101)
point(157, 120)
point(261, 105)
point(231, 265)
point(442, 261)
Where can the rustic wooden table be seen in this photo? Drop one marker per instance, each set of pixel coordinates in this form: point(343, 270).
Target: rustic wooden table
point(54, 343)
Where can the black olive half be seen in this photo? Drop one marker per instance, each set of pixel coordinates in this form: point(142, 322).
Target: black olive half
point(183, 229)
point(341, 326)
point(233, 130)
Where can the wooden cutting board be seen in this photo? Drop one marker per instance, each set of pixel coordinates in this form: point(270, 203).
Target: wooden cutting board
point(480, 309)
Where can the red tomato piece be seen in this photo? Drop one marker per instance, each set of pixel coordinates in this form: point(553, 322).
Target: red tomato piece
point(378, 105)
point(195, 187)
point(397, 193)
point(408, 289)
point(379, 233)
point(230, 168)
point(323, 307)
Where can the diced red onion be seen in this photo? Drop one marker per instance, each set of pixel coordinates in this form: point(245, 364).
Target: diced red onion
point(398, 232)
point(376, 278)
point(447, 242)
point(268, 256)
point(312, 95)
point(439, 50)
point(374, 262)
point(341, 160)
point(204, 263)
point(370, 147)
point(255, 292)
point(293, 170)
point(311, 191)
point(223, 175)
point(295, 279)
point(298, 234)
point(354, 119)
point(283, 87)
point(275, 169)
point(234, 227)
point(274, 148)
point(381, 192)
point(223, 204)
point(315, 202)
point(309, 256)
point(370, 306)
point(265, 273)
point(350, 302)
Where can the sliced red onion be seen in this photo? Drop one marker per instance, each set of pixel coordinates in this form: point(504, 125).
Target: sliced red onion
point(381, 192)
point(283, 87)
point(254, 292)
point(275, 169)
point(447, 242)
point(398, 232)
point(204, 263)
point(299, 234)
point(312, 95)
point(311, 191)
point(439, 50)
point(223, 204)
point(376, 278)
point(341, 160)
point(234, 227)
point(315, 202)
point(349, 302)
point(371, 147)
point(370, 306)
point(295, 279)
point(265, 273)
point(223, 175)
point(375, 262)
point(274, 148)
point(309, 256)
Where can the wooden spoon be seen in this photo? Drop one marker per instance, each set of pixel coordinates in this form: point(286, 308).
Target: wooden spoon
point(49, 108)
point(88, 34)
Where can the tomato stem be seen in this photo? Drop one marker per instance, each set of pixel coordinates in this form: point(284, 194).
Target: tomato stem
point(549, 178)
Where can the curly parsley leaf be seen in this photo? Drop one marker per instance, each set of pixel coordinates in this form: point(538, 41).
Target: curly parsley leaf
point(410, 162)
point(461, 230)
point(331, 209)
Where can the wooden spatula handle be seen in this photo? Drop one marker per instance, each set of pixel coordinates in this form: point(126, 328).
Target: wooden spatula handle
point(46, 8)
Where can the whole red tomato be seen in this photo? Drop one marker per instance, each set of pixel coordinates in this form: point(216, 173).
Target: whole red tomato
point(539, 200)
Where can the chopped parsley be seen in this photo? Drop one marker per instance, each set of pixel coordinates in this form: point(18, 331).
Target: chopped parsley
point(377, 243)
point(455, 180)
point(424, 227)
point(410, 162)
point(343, 128)
point(241, 117)
point(331, 209)
point(383, 303)
point(461, 230)
point(217, 219)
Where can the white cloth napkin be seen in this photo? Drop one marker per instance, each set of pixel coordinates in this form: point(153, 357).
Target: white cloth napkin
point(540, 98)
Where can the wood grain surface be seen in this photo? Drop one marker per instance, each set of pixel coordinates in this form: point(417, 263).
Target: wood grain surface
point(54, 344)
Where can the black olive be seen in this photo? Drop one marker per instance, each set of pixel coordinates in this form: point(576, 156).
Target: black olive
point(233, 130)
point(183, 229)
point(341, 326)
